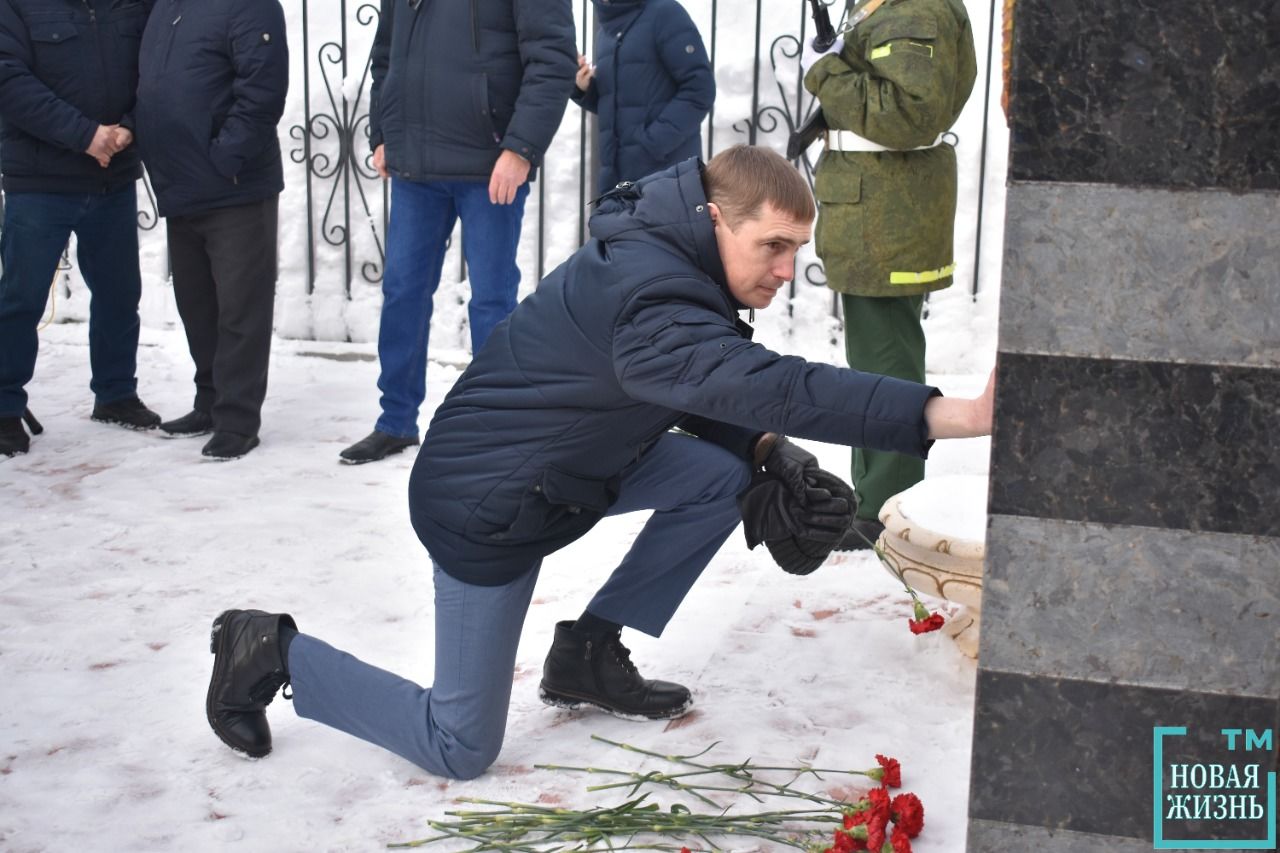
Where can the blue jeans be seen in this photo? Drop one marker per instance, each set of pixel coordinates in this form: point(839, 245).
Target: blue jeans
point(455, 728)
point(36, 229)
point(422, 217)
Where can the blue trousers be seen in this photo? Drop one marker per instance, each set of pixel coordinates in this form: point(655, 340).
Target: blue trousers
point(422, 218)
point(36, 229)
point(455, 727)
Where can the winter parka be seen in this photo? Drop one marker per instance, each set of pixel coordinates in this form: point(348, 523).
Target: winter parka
point(652, 88)
point(636, 332)
point(457, 81)
point(886, 218)
point(67, 66)
point(212, 83)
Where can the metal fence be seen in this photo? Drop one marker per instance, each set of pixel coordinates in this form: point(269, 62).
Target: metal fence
point(334, 209)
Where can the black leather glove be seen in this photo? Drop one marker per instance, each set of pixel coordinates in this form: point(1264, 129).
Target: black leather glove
point(790, 464)
point(770, 510)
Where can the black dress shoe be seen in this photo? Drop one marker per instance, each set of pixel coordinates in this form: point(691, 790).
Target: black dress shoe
point(190, 425)
point(228, 445)
point(250, 663)
point(129, 412)
point(862, 534)
point(374, 446)
point(596, 670)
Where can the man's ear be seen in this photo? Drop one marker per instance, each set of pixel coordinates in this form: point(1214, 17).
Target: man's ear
point(716, 215)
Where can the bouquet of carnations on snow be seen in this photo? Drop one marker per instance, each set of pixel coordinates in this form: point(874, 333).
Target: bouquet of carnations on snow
point(879, 821)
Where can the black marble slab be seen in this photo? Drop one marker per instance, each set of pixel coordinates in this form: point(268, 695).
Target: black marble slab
point(1078, 755)
point(1147, 93)
point(1157, 444)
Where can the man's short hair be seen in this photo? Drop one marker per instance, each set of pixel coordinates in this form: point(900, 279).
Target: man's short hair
point(742, 179)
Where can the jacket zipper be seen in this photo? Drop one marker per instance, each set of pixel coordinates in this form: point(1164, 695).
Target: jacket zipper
point(102, 65)
point(173, 37)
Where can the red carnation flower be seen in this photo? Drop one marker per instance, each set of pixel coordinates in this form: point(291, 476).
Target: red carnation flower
point(891, 771)
point(685, 850)
point(908, 814)
point(843, 842)
point(876, 834)
point(924, 626)
point(879, 799)
point(900, 841)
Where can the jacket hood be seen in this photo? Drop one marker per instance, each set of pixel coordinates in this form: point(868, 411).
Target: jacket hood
point(667, 209)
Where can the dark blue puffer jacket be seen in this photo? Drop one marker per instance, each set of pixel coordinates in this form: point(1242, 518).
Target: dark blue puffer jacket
point(633, 333)
point(67, 66)
point(652, 88)
point(212, 82)
point(456, 81)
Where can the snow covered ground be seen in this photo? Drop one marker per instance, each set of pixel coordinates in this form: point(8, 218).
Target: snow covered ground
point(120, 547)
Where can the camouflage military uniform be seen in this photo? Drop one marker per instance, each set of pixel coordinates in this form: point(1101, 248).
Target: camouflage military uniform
point(886, 218)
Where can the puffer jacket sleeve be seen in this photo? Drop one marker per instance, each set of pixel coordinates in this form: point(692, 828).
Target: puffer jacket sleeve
point(901, 93)
point(678, 352)
point(679, 48)
point(379, 59)
point(260, 61)
point(544, 30)
point(25, 101)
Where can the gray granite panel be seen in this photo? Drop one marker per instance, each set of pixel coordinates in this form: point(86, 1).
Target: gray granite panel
point(1154, 444)
point(1077, 755)
point(1154, 93)
point(1117, 272)
point(987, 836)
point(1161, 608)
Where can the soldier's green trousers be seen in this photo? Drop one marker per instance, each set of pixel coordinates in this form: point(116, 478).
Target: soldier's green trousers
point(882, 334)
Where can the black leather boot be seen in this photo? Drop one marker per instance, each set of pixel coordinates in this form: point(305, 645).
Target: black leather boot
point(374, 446)
point(596, 669)
point(249, 666)
point(130, 413)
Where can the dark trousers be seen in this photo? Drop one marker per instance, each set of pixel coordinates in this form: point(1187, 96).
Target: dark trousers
point(882, 334)
point(36, 229)
point(224, 280)
point(455, 727)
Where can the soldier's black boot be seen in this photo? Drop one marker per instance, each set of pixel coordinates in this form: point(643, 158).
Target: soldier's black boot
point(249, 666)
point(596, 670)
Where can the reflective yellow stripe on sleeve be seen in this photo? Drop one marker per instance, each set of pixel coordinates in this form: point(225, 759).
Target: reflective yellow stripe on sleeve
point(882, 51)
point(921, 277)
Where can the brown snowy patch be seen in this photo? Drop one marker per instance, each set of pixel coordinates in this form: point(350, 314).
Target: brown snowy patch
point(846, 793)
point(823, 614)
point(549, 798)
point(681, 722)
point(107, 664)
point(216, 816)
point(797, 631)
point(155, 647)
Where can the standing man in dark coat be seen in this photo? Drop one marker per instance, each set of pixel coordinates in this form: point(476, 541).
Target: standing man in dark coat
point(466, 97)
point(651, 85)
point(564, 418)
point(68, 73)
point(213, 79)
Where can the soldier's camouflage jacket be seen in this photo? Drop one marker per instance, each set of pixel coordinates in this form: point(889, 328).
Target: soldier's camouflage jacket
point(886, 218)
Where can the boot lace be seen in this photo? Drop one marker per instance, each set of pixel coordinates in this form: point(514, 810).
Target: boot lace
point(621, 653)
point(265, 690)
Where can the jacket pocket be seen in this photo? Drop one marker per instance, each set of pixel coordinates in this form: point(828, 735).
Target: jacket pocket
point(838, 190)
point(558, 504)
point(911, 35)
point(58, 53)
